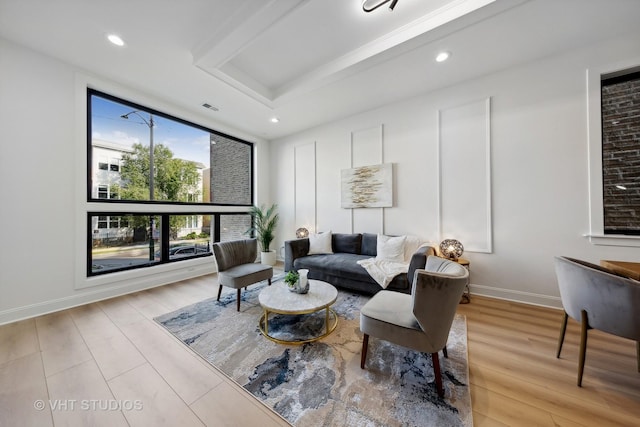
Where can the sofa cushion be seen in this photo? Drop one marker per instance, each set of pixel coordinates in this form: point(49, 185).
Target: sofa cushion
point(320, 243)
point(346, 243)
point(369, 243)
point(346, 264)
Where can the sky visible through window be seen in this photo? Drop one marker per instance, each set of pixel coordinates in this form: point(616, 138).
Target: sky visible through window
point(186, 142)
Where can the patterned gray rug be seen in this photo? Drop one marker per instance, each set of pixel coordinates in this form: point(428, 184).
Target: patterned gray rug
point(321, 383)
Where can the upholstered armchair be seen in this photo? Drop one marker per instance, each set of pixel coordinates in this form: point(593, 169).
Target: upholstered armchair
point(422, 320)
point(598, 299)
point(237, 267)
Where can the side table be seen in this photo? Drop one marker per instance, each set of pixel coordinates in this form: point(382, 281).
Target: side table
point(466, 295)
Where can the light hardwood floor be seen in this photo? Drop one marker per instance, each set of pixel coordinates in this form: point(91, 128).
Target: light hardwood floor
point(112, 353)
point(516, 379)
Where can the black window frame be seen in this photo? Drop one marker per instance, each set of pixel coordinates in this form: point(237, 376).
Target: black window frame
point(607, 80)
point(164, 233)
point(98, 206)
point(135, 106)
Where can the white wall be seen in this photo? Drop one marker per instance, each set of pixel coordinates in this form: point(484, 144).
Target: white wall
point(539, 173)
point(539, 158)
point(43, 193)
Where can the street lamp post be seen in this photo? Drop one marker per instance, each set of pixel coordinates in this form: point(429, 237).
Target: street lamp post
point(150, 124)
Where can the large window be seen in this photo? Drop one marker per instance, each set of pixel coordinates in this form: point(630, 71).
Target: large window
point(124, 242)
point(145, 155)
point(620, 98)
point(140, 157)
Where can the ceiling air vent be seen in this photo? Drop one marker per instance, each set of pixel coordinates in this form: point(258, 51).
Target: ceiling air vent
point(210, 107)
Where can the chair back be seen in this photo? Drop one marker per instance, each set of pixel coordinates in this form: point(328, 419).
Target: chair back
point(611, 301)
point(436, 294)
point(235, 252)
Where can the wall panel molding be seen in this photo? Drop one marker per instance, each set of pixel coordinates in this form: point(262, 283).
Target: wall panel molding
point(464, 175)
point(305, 187)
point(367, 148)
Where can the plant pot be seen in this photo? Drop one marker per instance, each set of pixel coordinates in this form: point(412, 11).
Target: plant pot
point(268, 258)
point(301, 286)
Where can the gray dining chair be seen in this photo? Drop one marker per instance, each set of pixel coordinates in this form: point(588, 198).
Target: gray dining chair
point(422, 320)
point(598, 299)
point(237, 267)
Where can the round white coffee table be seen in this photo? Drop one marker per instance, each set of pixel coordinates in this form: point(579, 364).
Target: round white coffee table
point(277, 298)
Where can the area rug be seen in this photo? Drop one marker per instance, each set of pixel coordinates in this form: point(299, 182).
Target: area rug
point(321, 383)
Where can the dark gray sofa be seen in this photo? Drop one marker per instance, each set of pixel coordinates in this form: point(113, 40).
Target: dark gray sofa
point(341, 268)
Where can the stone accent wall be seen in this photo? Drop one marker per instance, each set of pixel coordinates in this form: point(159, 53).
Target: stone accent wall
point(230, 174)
point(621, 155)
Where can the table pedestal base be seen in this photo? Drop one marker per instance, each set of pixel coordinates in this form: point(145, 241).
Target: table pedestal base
point(263, 324)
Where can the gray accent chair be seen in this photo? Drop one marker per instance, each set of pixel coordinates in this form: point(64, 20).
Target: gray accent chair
point(598, 299)
point(237, 267)
point(422, 320)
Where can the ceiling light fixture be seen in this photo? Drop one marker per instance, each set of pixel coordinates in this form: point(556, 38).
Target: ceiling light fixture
point(442, 56)
point(371, 5)
point(115, 39)
point(275, 120)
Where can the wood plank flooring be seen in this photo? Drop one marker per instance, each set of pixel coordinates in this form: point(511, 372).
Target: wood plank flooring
point(516, 379)
point(113, 353)
point(110, 364)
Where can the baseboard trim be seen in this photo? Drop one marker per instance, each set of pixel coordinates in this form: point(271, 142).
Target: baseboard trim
point(516, 296)
point(99, 293)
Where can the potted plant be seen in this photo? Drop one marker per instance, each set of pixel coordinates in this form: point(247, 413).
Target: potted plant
point(264, 225)
point(291, 279)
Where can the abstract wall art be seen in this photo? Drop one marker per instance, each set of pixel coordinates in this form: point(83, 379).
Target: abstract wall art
point(367, 187)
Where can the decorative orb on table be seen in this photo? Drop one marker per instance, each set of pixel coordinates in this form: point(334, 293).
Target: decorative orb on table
point(451, 249)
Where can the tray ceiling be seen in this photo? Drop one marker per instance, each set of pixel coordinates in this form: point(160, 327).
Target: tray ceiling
point(308, 62)
point(272, 50)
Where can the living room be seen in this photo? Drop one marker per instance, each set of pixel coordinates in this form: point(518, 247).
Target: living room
point(542, 195)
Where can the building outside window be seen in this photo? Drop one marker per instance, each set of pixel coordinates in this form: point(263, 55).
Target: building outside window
point(620, 95)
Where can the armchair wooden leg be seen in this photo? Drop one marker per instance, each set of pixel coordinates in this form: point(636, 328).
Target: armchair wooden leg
point(584, 326)
point(437, 374)
point(239, 290)
point(563, 329)
point(638, 354)
point(365, 346)
point(444, 352)
point(219, 292)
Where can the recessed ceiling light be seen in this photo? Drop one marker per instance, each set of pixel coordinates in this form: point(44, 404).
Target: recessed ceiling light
point(115, 40)
point(274, 120)
point(621, 187)
point(442, 56)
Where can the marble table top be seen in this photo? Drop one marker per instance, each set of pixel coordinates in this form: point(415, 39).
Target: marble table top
point(278, 298)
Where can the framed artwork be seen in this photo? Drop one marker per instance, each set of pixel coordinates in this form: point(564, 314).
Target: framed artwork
point(367, 186)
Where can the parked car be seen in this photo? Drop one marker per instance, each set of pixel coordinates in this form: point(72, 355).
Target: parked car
point(185, 250)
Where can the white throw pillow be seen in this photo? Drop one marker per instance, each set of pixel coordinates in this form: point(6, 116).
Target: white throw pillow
point(411, 245)
point(320, 243)
point(390, 248)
